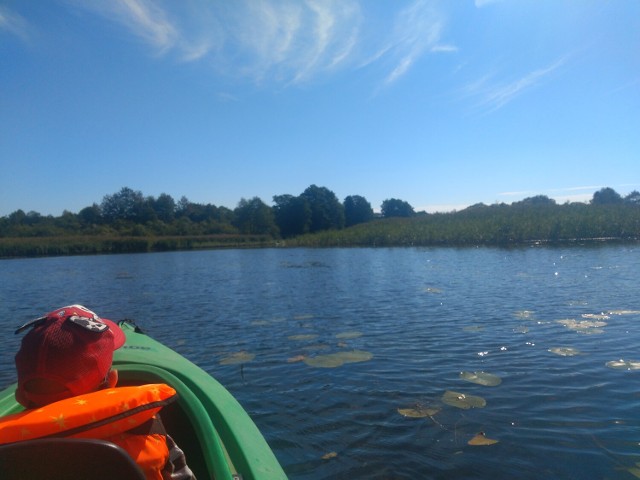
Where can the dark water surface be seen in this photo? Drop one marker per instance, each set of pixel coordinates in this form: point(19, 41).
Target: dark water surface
point(424, 314)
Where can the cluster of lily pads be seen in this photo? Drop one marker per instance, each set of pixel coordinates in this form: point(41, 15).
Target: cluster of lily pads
point(459, 400)
point(335, 359)
point(591, 323)
point(588, 324)
point(330, 360)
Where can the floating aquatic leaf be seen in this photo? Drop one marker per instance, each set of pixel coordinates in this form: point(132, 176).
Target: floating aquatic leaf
point(238, 357)
point(583, 326)
point(460, 400)
point(596, 316)
point(481, 439)
point(302, 337)
point(635, 471)
point(623, 364)
point(259, 323)
point(297, 358)
point(354, 356)
point(473, 328)
point(332, 360)
point(565, 351)
point(348, 335)
point(330, 455)
point(324, 361)
point(418, 412)
point(481, 378)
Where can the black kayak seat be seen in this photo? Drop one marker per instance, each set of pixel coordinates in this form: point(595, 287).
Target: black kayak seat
point(67, 459)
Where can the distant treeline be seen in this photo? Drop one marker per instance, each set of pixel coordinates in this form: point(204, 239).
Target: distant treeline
point(128, 221)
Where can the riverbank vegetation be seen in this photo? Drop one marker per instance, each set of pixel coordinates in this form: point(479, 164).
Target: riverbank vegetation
point(127, 221)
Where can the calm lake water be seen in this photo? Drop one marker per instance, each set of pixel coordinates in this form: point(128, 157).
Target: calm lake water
point(424, 314)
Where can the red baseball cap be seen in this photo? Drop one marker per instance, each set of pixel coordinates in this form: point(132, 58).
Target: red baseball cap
point(71, 347)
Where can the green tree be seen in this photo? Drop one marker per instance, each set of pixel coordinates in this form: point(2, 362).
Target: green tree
point(18, 217)
point(536, 201)
point(165, 207)
point(254, 217)
point(357, 210)
point(393, 207)
point(90, 215)
point(292, 215)
point(127, 204)
point(606, 196)
point(68, 221)
point(327, 213)
point(633, 198)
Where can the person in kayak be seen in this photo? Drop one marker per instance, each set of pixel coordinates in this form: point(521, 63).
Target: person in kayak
point(69, 353)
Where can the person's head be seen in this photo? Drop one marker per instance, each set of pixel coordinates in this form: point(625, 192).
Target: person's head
point(68, 352)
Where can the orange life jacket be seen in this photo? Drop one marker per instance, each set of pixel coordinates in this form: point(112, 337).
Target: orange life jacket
point(107, 414)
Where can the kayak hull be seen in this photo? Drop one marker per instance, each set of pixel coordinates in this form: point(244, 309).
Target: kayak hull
point(219, 438)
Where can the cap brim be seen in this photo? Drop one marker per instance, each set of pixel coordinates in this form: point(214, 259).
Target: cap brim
point(118, 335)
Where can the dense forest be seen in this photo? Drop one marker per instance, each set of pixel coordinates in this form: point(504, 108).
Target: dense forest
point(128, 221)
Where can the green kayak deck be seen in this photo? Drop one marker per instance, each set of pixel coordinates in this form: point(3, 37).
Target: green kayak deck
point(217, 435)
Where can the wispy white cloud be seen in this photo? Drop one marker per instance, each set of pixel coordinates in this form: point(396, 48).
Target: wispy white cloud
point(154, 25)
point(494, 95)
point(283, 41)
point(291, 41)
point(417, 30)
point(13, 23)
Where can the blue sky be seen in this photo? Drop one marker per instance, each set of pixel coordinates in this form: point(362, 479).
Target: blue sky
point(439, 103)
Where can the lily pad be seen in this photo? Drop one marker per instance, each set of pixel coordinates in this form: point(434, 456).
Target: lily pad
point(473, 328)
point(354, 356)
point(348, 335)
point(481, 378)
point(418, 412)
point(623, 364)
point(238, 357)
point(565, 351)
point(635, 471)
point(259, 323)
point(584, 326)
point(333, 360)
point(460, 400)
point(481, 439)
point(596, 316)
point(303, 337)
point(324, 361)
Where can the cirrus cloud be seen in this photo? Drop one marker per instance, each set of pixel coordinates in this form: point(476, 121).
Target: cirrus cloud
point(282, 41)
